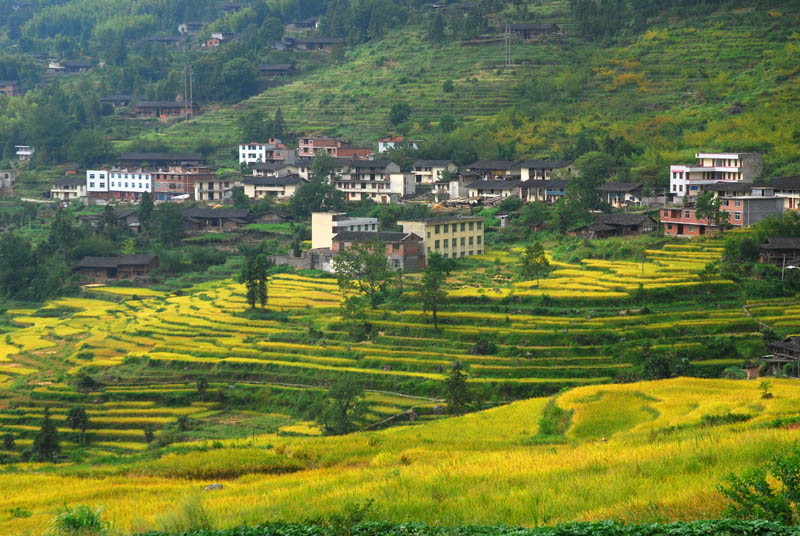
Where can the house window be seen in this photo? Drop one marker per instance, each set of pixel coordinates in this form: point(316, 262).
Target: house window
point(463, 227)
point(669, 226)
point(436, 229)
point(446, 227)
point(102, 185)
point(91, 185)
point(691, 228)
point(479, 240)
point(687, 214)
point(738, 203)
point(737, 216)
point(470, 242)
point(478, 224)
point(471, 226)
point(429, 234)
point(446, 242)
point(436, 245)
point(666, 213)
point(463, 241)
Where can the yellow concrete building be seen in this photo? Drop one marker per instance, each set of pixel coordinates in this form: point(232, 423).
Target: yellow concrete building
point(453, 237)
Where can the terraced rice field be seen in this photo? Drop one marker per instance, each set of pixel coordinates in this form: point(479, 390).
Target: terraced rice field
point(147, 349)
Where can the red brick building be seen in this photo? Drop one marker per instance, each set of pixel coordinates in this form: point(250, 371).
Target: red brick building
point(404, 251)
point(683, 221)
point(180, 180)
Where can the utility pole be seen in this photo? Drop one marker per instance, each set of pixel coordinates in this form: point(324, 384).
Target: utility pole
point(507, 36)
point(191, 90)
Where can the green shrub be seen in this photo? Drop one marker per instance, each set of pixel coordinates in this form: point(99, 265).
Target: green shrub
point(80, 521)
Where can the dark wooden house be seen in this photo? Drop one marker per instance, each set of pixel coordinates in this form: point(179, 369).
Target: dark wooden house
point(124, 267)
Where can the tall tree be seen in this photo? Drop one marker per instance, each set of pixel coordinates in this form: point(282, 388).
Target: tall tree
point(345, 405)
point(145, 210)
point(78, 419)
point(456, 389)
point(254, 276)
point(709, 207)
point(364, 268)
point(534, 263)
point(436, 272)
point(170, 226)
point(45, 444)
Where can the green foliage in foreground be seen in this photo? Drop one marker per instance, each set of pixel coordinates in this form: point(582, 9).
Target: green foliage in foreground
point(606, 528)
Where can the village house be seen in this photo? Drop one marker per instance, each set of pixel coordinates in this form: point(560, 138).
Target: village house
point(118, 184)
point(279, 188)
point(164, 109)
point(747, 210)
point(24, 152)
point(492, 169)
point(495, 189)
point(783, 353)
point(723, 189)
point(543, 191)
point(431, 171)
point(403, 250)
point(68, 66)
point(388, 143)
point(217, 39)
point(336, 147)
point(621, 194)
point(529, 30)
point(124, 267)
point(303, 27)
point(69, 189)
point(221, 220)
point(324, 44)
point(612, 225)
point(191, 27)
point(9, 88)
point(452, 236)
point(532, 170)
point(179, 181)
point(326, 225)
point(301, 167)
point(117, 101)
point(787, 188)
point(214, 187)
point(683, 221)
point(127, 217)
point(275, 70)
point(232, 7)
point(8, 177)
point(378, 180)
point(780, 251)
point(271, 151)
point(690, 181)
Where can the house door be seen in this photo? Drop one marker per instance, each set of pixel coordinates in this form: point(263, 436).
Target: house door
point(680, 228)
point(701, 230)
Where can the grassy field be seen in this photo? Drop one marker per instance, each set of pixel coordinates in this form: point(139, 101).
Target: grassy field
point(636, 453)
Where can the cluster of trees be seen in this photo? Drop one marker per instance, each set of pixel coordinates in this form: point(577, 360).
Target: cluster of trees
point(606, 18)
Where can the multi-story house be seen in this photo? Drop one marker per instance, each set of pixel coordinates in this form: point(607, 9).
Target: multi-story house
point(543, 170)
point(378, 180)
point(326, 225)
point(689, 181)
point(214, 188)
point(335, 147)
point(683, 221)
point(493, 169)
point(164, 109)
point(388, 143)
point(118, 184)
point(787, 188)
point(543, 191)
point(179, 181)
point(8, 177)
point(282, 187)
point(403, 250)
point(24, 152)
point(495, 189)
point(272, 151)
point(431, 171)
point(9, 88)
point(621, 194)
point(301, 167)
point(68, 189)
point(747, 210)
point(452, 236)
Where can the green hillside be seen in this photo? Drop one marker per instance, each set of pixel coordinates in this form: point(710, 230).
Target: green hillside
point(667, 91)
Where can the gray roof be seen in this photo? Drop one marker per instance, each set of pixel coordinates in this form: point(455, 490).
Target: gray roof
point(70, 181)
point(490, 165)
point(431, 163)
point(275, 181)
point(730, 187)
point(619, 187)
point(782, 243)
point(446, 219)
point(210, 213)
point(116, 98)
point(364, 236)
point(544, 164)
point(378, 164)
point(533, 26)
point(164, 104)
point(495, 185)
point(623, 219)
point(115, 262)
point(783, 183)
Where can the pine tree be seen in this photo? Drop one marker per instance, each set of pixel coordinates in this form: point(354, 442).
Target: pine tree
point(457, 392)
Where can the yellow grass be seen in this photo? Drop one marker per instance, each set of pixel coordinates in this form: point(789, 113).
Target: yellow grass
point(618, 463)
